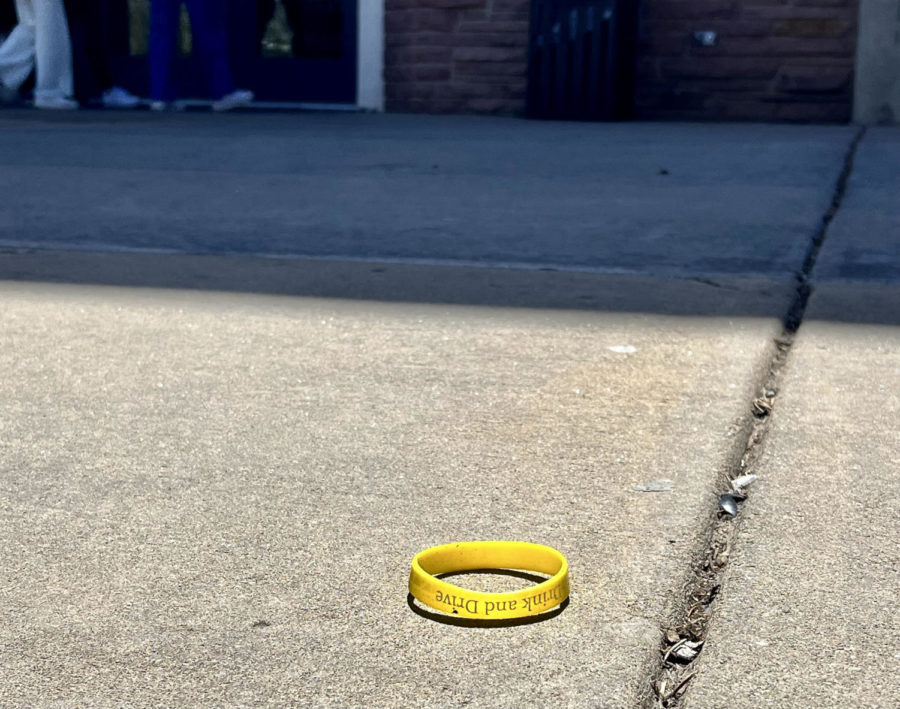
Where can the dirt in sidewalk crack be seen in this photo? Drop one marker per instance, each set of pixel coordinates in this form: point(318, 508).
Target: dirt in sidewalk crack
point(796, 311)
point(685, 635)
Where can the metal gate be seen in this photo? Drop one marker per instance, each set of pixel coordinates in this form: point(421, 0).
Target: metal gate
point(581, 59)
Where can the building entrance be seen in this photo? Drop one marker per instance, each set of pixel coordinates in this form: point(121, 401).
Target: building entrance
point(286, 51)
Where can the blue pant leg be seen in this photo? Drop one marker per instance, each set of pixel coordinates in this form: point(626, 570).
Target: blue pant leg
point(211, 42)
point(164, 17)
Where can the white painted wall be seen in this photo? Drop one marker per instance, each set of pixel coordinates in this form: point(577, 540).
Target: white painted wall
point(876, 91)
point(370, 55)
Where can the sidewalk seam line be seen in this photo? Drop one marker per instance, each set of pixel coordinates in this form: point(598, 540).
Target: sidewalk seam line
point(685, 631)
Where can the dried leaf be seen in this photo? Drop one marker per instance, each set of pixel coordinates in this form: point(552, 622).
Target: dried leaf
point(761, 407)
point(743, 481)
point(661, 689)
point(684, 653)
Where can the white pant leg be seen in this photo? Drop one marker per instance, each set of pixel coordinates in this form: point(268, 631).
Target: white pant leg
point(17, 52)
point(53, 50)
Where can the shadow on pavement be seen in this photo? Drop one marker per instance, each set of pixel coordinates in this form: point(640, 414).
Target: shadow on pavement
point(859, 302)
point(478, 623)
point(393, 282)
point(727, 296)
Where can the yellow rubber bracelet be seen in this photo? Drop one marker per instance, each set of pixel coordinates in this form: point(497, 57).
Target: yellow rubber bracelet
point(468, 556)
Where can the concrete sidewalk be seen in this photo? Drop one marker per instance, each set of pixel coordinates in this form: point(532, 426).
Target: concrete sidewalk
point(216, 465)
point(213, 500)
point(623, 198)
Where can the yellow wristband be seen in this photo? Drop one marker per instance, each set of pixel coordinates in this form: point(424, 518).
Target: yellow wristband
point(468, 556)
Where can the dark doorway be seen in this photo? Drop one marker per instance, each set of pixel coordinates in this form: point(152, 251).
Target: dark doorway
point(286, 51)
point(581, 59)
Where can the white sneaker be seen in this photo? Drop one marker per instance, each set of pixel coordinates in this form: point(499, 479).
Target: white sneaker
point(235, 99)
point(55, 103)
point(162, 106)
point(117, 97)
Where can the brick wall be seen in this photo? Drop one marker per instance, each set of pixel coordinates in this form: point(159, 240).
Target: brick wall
point(456, 56)
point(774, 60)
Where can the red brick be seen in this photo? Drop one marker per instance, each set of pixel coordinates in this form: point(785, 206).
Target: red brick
point(425, 105)
point(486, 69)
point(490, 54)
point(455, 39)
point(508, 88)
point(474, 16)
point(488, 39)
point(777, 47)
point(419, 20)
point(812, 27)
point(516, 27)
point(417, 72)
point(455, 4)
point(730, 28)
point(745, 109)
point(818, 112)
point(411, 55)
point(824, 3)
point(720, 67)
point(511, 6)
point(413, 90)
point(491, 105)
point(391, 5)
point(791, 13)
point(744, 87)
point(814, 79)
point(515, 16)
point(692, 9)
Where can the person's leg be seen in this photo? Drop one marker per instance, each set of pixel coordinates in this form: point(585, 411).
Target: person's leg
point(95, 18)
point(164, 17)
point(211, 42)
point(102, 15)
point(86, 84)
point(17, 52)
point(53, 51)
